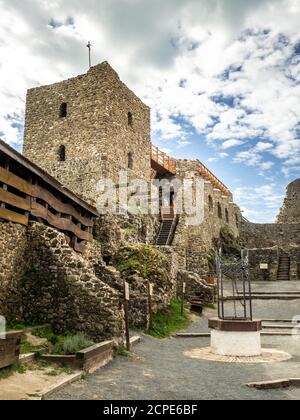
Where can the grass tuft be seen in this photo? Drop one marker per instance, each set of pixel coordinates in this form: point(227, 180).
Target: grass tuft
point(169, 321)
point(72, 344)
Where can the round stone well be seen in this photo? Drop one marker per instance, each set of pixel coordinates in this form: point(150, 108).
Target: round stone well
point(236, 338)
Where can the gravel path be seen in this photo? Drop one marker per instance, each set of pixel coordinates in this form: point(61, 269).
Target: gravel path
point(159, 370)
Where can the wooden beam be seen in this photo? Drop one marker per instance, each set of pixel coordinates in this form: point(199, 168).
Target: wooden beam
point(11, 216)
point(14, 181)
point(60, 223)
point(56, 204)
point(14, 200)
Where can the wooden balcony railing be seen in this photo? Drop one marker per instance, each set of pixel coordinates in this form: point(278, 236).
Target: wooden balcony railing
point(209, 176)
point(28, 193)
point(163, 160)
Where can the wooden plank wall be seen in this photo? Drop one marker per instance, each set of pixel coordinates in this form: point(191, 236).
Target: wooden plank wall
point(31, 199)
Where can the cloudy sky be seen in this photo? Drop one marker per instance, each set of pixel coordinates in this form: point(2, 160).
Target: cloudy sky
point(222, 78)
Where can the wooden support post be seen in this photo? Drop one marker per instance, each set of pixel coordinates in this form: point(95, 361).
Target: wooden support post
point(183, 297)
point(126, 310)
point(3, 206)
point(150, 294)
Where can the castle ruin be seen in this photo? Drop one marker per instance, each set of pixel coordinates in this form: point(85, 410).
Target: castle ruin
point(80, 131)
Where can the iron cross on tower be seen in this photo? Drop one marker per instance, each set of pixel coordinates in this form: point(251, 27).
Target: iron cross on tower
point(89, 46)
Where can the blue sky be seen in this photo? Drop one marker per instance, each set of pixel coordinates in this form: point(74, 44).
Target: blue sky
point(222, 78)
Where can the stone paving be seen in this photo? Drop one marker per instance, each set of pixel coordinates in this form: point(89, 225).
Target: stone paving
point(159, 369)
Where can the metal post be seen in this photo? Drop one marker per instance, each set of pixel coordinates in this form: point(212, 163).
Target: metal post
point(89, 46)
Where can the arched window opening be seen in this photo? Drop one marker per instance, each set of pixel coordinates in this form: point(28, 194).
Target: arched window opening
point(63, 111)
point(130, 161)
point(62, 153)
point(220, 211)
point(227, 216)
point(210, 203)
point(130, 119)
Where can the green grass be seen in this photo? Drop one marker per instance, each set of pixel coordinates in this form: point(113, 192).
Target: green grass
point(169, 321)
point(123, 352)
point(210, 306)
point(49, 335)
point(60, 370)
point(26, 347)
point(71, 345)
point(16, 326)
point(7, 372)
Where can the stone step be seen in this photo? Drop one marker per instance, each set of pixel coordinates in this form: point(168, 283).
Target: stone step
point(283, 292)
point(279, 327)
point(207, 335)
point(264, 297)
point(281, 321)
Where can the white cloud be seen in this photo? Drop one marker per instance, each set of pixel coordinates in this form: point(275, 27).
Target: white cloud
point(226, 68)
point(228, 144)
point(260, 204)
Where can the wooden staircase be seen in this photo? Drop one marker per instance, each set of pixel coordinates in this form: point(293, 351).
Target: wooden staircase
point(169, 222)
point(284, 266)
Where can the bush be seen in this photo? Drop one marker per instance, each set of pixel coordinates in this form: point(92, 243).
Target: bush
point(72, 344)
point(144, 261)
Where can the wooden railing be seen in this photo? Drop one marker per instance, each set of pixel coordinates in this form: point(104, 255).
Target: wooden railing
point(25, 196)
point(209, 176)
point(163, 160)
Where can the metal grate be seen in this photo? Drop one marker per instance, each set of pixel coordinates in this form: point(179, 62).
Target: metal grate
point(234, 272)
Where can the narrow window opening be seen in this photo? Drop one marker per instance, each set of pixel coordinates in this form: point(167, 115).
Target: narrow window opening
point(62, 153)
point(211, 203)
point(130, 161)
point(130, 119)
point(227, 216)
point(219, 211)
point(63, 111)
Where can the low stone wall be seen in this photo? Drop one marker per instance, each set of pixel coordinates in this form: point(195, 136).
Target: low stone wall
point(196, 287)
point(264, 256)
point(266, 243)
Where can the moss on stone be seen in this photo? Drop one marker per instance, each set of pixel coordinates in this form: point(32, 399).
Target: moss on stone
point(142, 260)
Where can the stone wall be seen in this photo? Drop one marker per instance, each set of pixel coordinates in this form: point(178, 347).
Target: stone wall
point(143, 264)
point(61, 288)
point(43, 280)
point(290, 211)
point(13, 264)
point(97, 134)
point(271, 257)
point(267, 242)
point(255, 235)
point(112, 231)
point(193, 243)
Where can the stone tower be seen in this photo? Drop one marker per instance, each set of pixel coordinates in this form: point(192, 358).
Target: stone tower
point(88, 128)
point(290, 211)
